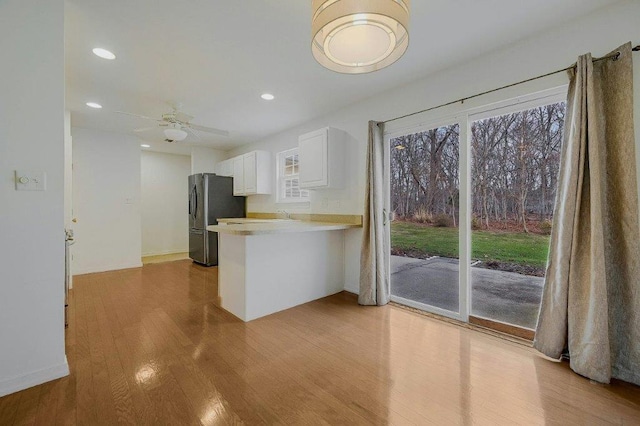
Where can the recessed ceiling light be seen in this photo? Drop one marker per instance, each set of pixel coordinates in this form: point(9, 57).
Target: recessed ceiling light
point(94, 105)
point(267, 96)
point(144, 145)
point(103, 53)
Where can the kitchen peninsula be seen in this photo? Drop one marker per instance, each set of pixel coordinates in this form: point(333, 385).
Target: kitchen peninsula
point(267, 265)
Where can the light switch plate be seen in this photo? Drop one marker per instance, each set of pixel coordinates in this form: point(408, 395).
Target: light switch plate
point(30, 181)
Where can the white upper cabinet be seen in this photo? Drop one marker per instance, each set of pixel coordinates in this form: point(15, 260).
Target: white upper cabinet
point(252, 173)
point(225, 168)
point(250, 165)
point(238, 176)
point(321, 155)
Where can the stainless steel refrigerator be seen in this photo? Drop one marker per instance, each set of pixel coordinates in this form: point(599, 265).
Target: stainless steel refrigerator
point(210, 197)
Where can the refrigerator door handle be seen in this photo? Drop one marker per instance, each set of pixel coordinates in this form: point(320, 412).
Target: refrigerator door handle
point(195, 199)
point(193, 202)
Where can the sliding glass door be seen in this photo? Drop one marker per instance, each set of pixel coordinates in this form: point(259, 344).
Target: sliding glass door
point(515, 165)
point(424, 189)
point(471, 206)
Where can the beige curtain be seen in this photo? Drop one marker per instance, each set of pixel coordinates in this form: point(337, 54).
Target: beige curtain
point(374, 258)
point(591, 299)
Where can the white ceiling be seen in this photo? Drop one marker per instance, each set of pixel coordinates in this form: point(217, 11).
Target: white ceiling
point(216, 58)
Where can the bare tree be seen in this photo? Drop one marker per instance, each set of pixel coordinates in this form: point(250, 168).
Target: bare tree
point(515, 165)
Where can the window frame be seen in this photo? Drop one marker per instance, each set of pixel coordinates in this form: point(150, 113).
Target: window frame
point(280, 178)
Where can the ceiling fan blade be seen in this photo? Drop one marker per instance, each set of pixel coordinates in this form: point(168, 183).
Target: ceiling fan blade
point(192, 132)
point(138, 115)
point(145, 129)
point(181, 116)
point(209, 130)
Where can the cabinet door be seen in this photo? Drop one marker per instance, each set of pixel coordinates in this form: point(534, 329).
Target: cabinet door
point(228, 167)
point(238, 176)
point(250, 175)
point(225, 168)
point(313, 154)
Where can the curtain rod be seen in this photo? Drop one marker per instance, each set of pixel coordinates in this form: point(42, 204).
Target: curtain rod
point(613, 56)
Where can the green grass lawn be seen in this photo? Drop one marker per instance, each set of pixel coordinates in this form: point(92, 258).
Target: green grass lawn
point(521, 248)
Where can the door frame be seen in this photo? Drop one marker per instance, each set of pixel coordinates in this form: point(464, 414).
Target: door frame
point(463, 248)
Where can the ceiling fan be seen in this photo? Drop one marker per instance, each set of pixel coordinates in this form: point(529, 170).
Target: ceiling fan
point(177, 125)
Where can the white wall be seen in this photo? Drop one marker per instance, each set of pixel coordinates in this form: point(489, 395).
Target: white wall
point(68, 182)
point(106, 201)
point(204, 160)
point(32, 225)
point(68, 171)
point(555, 49)
point(163, 201)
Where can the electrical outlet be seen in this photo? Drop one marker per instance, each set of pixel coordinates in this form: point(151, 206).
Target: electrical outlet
point(30, 181)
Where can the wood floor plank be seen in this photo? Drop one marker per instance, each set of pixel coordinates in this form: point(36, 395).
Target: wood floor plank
point(151, 346)
point(47, 404)
point(28, 406)
point(104, 397)
point(85, 399)
point(9, 406)
point(119, 387)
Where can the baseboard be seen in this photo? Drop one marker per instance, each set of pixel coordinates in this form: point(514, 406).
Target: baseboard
point(35, 378)
point(162, 253)
point(106, 268)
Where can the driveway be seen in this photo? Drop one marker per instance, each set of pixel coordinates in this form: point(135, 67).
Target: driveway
point(501, 296)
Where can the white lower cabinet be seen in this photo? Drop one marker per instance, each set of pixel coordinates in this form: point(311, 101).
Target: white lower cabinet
point(252, 173)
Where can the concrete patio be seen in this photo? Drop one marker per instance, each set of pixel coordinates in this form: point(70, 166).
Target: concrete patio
point(496, 295)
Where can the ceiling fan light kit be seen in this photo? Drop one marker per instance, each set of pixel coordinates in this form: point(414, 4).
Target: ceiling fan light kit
point(359, 36)
point(174, 133)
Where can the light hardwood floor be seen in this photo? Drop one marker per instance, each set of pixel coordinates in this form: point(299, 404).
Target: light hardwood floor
point(149, 346)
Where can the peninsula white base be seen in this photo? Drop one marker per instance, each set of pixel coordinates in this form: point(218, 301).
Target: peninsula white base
point(263, 274)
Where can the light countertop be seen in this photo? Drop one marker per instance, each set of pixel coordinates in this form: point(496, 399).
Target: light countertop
point(248, 226)
point(242, 220)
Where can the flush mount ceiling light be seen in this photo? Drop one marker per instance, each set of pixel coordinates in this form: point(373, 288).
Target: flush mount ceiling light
point(174, 133)
point(93, 105)
point(359, 36)
point(103, 53)
point(267, 96)
point(144, 145)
